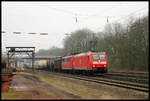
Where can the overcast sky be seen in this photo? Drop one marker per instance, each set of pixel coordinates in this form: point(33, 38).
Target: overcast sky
point(58, 18)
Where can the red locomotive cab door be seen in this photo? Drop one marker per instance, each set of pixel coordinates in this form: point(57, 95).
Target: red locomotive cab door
point(88, 63)
point(72, 62)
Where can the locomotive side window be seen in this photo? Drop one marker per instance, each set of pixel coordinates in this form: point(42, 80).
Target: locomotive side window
point(66, 59)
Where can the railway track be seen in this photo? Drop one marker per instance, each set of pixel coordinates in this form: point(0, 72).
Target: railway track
point(129, 75)
point(142, 79)
point(126, 74)
point(118, 83)
point(132, 73)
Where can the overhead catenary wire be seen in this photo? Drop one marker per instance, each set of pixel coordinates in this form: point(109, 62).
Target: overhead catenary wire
point(72, 13)
point(107, 16)
point(131, 13)
point(126, 16)
point(101, 16)
point(80, 14)
point(122, 17)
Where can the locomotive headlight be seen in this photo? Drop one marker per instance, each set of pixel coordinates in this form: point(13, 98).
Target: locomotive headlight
point(104, 65)
point(94, 66)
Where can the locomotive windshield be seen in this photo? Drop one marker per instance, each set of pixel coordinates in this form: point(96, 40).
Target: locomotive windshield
point(98, 57)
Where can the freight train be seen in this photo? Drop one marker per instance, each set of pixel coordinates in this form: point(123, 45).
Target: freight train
point(90, 62)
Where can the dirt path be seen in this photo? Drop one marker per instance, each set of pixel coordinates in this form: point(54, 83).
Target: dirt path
point(30, 87)
point(50, 88)
point(40, 85)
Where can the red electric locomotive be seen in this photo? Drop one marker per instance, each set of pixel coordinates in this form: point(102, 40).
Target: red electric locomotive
point(94, 62)
point(98, 62)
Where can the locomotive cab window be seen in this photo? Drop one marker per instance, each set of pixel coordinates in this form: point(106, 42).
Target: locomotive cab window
point(95, 57)
point(98, 57)
point(102, 56)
